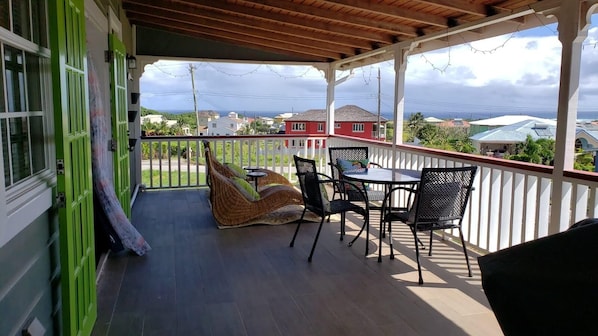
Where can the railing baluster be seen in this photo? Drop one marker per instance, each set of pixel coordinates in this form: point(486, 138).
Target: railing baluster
point(511, 202)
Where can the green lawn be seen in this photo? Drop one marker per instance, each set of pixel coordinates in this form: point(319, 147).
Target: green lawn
point(186, 179)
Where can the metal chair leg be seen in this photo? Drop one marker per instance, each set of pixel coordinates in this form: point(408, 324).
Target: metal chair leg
point(419, 267)
point(316, 240)
point(297, 229)
point(430, 250)
point(465, 252)
point(392, 250)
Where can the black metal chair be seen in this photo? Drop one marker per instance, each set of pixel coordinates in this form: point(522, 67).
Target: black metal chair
point(352, 154)
point(358, 154)
point(439, 204)
point(315, 199)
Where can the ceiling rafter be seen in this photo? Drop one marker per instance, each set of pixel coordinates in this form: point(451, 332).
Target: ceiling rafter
point(321, 26)
point(463, 6)
point(246, 40)
point(357, 21)
point(280, 33)
point(394, 11)
point(316, 30)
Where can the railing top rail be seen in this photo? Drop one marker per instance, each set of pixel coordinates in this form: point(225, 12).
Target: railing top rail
point(235, 137)
point(485, 160)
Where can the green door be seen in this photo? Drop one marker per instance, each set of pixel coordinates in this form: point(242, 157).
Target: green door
point(73, 166)
point(120, 123)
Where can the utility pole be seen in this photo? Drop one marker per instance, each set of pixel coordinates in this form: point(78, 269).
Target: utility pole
point(379, 131)
point(192, 71)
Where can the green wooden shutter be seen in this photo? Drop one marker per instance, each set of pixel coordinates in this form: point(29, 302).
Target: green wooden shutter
point(120, 123)
point(74, 175)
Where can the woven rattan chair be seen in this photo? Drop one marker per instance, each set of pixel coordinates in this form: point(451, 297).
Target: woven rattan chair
point(315, 199)
point(212, 162)
point(231, 208)
point(439, 203)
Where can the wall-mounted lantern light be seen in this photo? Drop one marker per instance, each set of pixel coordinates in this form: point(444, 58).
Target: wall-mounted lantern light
point(131, 62)
point(132, 143)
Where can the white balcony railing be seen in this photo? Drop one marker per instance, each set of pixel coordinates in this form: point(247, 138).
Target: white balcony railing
point(511, 202)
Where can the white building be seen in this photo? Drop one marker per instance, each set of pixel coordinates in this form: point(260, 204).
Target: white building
point(157, 119)
point(228, 125)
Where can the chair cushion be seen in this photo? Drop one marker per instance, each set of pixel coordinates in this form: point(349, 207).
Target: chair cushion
point(246, 189)
point(345, 165)
point(325, 199)
point(348, 165)
point(237, 170)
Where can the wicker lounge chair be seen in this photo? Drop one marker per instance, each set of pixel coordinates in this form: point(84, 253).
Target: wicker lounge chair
point(212, 162)
point(231, 208)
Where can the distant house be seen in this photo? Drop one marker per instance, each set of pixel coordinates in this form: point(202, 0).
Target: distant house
point(349, 120)
point(433, 120)
point(157, 119)
point(229, 125)
point(203, 130)
point(266, 120)
point(280, 118)
point(483, 125)
point(501, 140)
point(204, 117)
point(455, 123)
point(586, 138)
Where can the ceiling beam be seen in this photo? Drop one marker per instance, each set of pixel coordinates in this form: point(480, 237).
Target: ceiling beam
point(274, 32)
point(317, 26)
point(463, 6)
point(321, 14)
point(240, 39)
point(394, 11)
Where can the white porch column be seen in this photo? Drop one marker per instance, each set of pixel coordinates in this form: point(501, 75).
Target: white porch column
point(330, 74)
point(573, 24)
point(400, 63)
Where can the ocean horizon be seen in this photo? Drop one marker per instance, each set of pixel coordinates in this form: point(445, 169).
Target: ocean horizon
point(581, 115)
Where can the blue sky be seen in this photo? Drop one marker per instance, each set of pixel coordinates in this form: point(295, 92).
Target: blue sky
point(512, 74)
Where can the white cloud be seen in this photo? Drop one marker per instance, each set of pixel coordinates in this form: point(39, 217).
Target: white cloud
point(506, 74)
point(501, 59)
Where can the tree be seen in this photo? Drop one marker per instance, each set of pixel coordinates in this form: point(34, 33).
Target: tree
point(539, 151)
point(584, 161)
point(414, 125)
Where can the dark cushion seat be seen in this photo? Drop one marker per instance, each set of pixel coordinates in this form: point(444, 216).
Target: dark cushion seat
point(548, 286)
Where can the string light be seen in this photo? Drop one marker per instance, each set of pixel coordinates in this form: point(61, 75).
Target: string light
point(301, 75)
point(254, 70)
point(492, 50)
point(155, 65)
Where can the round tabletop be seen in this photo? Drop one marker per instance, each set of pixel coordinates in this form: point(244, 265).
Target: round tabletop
point(251, 168)
point(256, 174)
point(384, 175)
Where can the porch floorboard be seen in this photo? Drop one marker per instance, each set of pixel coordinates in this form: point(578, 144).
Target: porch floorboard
point(199, 280)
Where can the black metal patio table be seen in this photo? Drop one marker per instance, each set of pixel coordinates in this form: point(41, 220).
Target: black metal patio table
point(387, 177)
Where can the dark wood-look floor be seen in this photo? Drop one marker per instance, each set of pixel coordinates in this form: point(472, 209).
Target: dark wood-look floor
point(199, 280)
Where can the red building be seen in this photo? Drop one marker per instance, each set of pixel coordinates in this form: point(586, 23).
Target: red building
point(349, 120)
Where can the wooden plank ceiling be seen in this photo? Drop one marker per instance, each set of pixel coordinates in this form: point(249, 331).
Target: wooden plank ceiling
point(312, 30)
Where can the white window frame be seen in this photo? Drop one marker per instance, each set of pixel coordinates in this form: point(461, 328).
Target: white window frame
point(337, 125)
point(297, 126)
point(320, 127)
point(358, 127)
point(26, 200)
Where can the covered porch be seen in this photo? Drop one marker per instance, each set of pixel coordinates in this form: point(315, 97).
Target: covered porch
point(199, 280)
point(248, 281)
